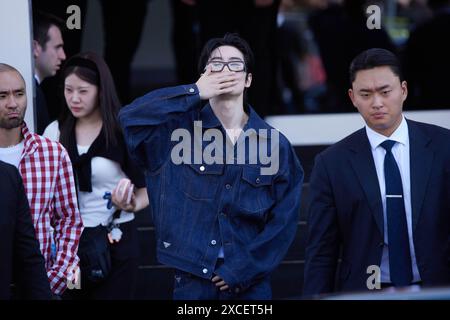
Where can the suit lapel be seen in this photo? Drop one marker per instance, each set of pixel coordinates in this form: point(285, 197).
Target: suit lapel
point(364, 167)
point(421, 159)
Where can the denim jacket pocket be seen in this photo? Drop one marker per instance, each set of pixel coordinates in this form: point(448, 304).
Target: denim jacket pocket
point(200, 181)
point(255, 190)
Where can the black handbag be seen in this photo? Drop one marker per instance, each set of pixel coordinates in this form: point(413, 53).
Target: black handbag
point(94, 254)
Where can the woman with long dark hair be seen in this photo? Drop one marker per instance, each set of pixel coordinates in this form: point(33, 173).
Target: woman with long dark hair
point(110, 186)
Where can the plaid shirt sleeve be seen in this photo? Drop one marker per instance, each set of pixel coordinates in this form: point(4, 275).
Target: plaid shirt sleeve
point(67, 225)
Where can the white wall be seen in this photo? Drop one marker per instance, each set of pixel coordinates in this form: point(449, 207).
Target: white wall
point(15, 45)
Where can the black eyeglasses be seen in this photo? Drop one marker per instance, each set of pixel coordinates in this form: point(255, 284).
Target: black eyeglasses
point(236, 66)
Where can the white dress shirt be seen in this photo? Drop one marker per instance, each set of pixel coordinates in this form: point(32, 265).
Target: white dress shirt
point(401, 154)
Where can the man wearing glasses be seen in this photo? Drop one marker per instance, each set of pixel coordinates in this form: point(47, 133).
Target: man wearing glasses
point(223, 224)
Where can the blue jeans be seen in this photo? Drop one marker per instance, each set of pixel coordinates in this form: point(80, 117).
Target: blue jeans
point(190, 287)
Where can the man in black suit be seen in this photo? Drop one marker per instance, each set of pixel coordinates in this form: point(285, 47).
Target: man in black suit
point(19, 249)
point(48, 52)
point(381, 195)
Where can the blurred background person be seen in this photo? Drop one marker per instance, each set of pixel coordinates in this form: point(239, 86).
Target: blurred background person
point(340, 32)
point(127, 20)
point(426, 60)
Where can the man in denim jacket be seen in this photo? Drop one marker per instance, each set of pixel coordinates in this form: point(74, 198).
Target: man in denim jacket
point(224, 186)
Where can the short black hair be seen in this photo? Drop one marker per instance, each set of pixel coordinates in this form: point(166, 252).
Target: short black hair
point(372, 58)
point(229, 39)
point(42, 22)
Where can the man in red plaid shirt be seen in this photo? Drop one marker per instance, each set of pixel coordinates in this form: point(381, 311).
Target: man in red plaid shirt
point(48, 180)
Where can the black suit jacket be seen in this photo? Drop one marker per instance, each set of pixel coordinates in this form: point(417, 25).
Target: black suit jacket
point(41, 110)
point(346, 211)
point(19, 249)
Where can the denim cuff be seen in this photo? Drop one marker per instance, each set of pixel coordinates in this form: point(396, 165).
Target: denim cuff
point(235, 285)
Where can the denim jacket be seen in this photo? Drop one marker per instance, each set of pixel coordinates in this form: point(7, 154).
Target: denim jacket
point(200, 207)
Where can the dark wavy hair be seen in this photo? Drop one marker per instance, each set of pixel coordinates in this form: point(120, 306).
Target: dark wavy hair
point(91, 68)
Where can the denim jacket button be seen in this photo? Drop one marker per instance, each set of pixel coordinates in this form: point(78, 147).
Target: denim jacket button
point(202, 168)
point(205, 271)
point(191, 90)
point(213, 242)
point(257, 180)
point(228, 186)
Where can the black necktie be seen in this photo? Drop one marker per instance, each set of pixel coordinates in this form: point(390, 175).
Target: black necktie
point(399, 254)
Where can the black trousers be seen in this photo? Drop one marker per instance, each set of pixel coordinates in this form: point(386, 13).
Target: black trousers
point(121, 282)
